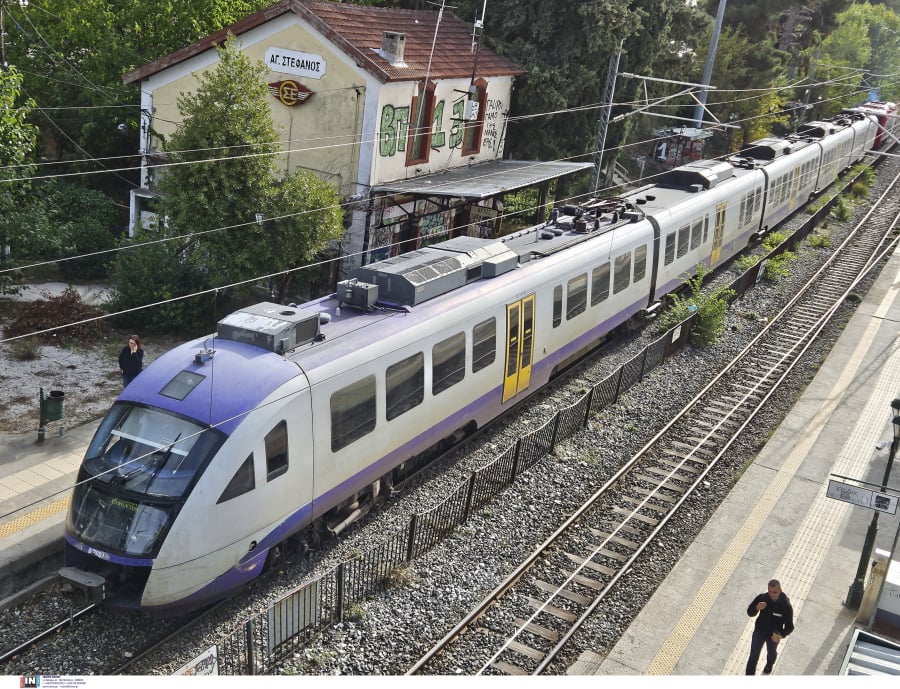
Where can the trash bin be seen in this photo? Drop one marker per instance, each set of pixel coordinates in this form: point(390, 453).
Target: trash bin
point(54, 405)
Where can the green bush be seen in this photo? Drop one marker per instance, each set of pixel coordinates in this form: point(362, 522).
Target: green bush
point(858, 190)
point(818, 241)
point(67, 221)
point(777, 266)
point(710, 309)
point(746, 262)
point(840, 210)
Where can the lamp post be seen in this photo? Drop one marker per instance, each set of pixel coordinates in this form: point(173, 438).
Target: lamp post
point(854, 595)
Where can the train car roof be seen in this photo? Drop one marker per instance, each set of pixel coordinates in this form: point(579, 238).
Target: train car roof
point(683, 184)
point(212, 380)
point(439, 273)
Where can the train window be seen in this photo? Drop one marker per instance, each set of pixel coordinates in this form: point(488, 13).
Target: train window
point(183, 382)
point(242, 482)
point(352, 413)
point(640, 263)
point(277, 451)
point(684, 236)
point(600, 282)
point(670, 248)
point(484, 344)
point(448, 363)
point(557, 306)
point(405, 383)
point(576, 296)
point(696, 233)
point(622, 272)
point(757, 204)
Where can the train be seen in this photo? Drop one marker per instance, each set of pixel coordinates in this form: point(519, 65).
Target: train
point(293, 420)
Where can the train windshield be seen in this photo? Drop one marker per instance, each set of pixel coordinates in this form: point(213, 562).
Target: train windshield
point(148, 451)
point(117, 524)
point(137, 471)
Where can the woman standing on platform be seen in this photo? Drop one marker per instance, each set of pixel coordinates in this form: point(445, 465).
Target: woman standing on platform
point(774, 622)
point(131, 359)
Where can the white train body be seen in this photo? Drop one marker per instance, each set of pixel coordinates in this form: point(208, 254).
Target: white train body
point(293, 416)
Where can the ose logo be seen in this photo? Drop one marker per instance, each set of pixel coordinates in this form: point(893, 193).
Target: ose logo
point(29, 682)
point(289, 92)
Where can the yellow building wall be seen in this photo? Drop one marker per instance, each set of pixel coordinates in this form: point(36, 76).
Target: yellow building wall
point(320, 134)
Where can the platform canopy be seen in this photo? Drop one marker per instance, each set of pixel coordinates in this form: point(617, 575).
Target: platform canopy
point(484, 180)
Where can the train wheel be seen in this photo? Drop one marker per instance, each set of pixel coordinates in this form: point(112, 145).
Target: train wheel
point(275, 558)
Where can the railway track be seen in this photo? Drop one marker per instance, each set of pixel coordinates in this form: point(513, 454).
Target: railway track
point(526, 622)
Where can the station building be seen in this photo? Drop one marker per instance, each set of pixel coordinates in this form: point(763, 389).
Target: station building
point(403, 111)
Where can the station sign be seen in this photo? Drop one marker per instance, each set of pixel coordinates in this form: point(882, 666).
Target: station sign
point(864, 497)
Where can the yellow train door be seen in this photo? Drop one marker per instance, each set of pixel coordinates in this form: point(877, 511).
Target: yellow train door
point(718, 233)
point(795, 186)
point(519, 346)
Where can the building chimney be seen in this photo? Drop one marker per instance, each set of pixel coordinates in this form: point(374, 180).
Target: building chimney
point(392, 46)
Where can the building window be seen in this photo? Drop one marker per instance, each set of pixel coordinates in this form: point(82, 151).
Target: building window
point(473, 114)
point(419, 136)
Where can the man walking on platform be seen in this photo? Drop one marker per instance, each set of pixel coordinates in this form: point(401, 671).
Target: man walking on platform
point(774, 621)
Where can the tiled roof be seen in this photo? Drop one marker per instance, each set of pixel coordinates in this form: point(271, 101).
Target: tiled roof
point(358, 30)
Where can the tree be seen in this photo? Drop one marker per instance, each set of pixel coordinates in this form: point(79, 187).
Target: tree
point(74, 55)
point(223, 172)
point(564, 48)
point(17, 142)
point(850, 57)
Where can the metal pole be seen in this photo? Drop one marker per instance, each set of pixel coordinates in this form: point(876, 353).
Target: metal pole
point(855, 593)
point(881, 585)
point(710, 59)
point(41, 425)
point(609, 90)
point(2, 44)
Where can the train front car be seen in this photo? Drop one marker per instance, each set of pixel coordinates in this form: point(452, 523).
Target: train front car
point(157, 521)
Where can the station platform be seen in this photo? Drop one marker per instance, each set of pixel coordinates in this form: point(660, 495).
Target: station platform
point(36, 480)
point(778, 523)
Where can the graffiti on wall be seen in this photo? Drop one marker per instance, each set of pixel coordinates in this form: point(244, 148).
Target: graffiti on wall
point(433, 227)
point(395, 123)
point(492, 125)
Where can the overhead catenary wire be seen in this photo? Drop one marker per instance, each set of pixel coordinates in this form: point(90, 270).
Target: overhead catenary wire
point(249, 223)
point(354, 142)
point(239, 283)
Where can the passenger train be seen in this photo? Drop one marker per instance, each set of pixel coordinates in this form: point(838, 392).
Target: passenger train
point(293, 418)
